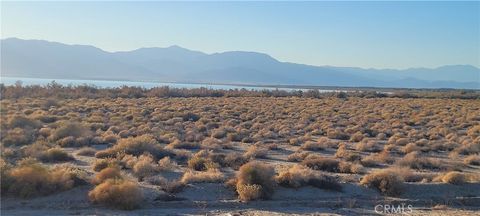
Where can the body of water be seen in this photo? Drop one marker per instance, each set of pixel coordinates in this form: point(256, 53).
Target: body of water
point(113, 84)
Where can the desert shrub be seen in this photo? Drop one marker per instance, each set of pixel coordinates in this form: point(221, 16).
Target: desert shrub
point(453, 177)
point(201, 163)
point(299, 176)
point(387, 181)
point(346, 167)
point(100, 164)
point(87, 151)
point(201, 177)
point(337, 134)
point(117, 193)
point(55, 155)
point(248, 192)
point(255, 152)
point(29, 179)
point(135, 146)
point(18, 137)
point(367, 146)
point(472, 160)
point(235, 160)
point(416, 161)
point(145, 167)
point(313, 146)
point(219, 133)
point(255, 180)
point(107, 173)
point(166, 164)
point(211, 143)
point(75, 130)
point(297, 156)
point(357, 137)
point(342, 152)
point(411, 147)
point(177, 144)
point(18, 121)
point(321, 163)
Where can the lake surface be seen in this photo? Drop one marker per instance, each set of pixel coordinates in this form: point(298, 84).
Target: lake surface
point(113, 84)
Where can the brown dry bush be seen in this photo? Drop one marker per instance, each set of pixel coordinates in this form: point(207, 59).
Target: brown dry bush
point(18, 137)
point(135, 146)
point(100, 164)
point(166, 164)
point(321, 163)
point(255, 180)
point(55, 155)
point(107, 173)
point(145, 166)
point(87, 151)
point(22, 122)
point(29, 179)
point(415, 160)
point(387, 181)
point(472, 160)
point(453, 177)
point(299, 176)
point(297, 156)
point(117, 193)
point(213, 175)
point(255, 151)
point(75, 130)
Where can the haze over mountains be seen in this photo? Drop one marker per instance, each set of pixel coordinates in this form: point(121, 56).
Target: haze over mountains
point(43, 59)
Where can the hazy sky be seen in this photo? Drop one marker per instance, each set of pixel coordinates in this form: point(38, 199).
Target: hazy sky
point(363, 34)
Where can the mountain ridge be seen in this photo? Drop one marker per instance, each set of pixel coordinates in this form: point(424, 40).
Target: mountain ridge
point(45, 59)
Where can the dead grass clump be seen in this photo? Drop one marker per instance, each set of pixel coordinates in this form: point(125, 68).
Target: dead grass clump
point(342, 152)
point(117, 193)
point(255, 180)
point(107, 173)
point(299, 176)
point(387, 181)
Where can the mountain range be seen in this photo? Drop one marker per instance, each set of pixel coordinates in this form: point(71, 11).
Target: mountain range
point(44, 59)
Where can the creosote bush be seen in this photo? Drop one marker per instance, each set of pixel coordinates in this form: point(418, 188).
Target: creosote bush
point(30, 179)
point(117, 193)
point(255, 180)
point(299, 176)
point(387, 181)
